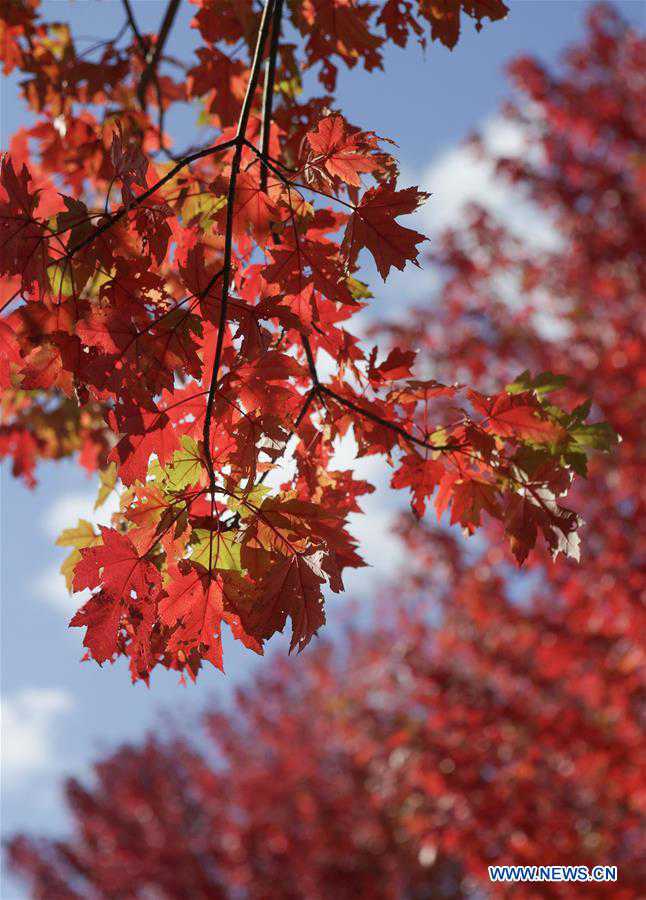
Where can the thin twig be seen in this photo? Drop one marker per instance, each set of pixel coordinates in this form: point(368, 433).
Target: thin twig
point(268, 91)
point(164, 31)
point(311, 394)
point(378, 420)
point(137, 201)
point(310, 358)
point(228, 240)
point(143, 45)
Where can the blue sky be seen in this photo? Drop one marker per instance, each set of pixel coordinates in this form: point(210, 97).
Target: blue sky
point(59, 713)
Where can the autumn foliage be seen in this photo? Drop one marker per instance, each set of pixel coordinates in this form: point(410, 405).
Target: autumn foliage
point(168, 314)
point(486, 716)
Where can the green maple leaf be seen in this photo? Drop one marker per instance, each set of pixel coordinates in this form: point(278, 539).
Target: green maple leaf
point(253, 498)
point(185, 469)
point(220, 549)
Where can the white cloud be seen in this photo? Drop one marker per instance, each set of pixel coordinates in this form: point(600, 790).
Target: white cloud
point(373, 528)
point(50, 586)
point(460, 176)
point(29, 723)
point(68, 508)
point(455, 178)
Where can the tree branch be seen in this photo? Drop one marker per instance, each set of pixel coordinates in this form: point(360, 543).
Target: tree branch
point(116, 217)
point(132, 22)
point(151, 68)
point(320, 389)
point(311, 394)
point(310, 359)
point(239, 142)
point(378, 420)
point(268, 91)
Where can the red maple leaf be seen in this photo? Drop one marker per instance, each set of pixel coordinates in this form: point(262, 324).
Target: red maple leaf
point(145, 433)
point(373, 225)
point(193, 605)
point(101, 616)
point(118, 566)
point(291, 589)
point(344, 155)
point(518, 416)
point(422, 476)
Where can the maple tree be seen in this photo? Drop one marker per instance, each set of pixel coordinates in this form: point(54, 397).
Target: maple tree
point(400, 769)
point(483, 718)
point(166, 315)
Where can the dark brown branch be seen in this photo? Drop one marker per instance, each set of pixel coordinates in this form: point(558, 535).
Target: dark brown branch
point(150, 60)
point(268, 163)
point(262, 157)
point(310, 359)
point(116, 217)
point(151, 69)
point(306, 405)
point(239, 142)
point(268, 91)
point(132, 22)
point(311, 394)
point(378, 420)
point(322, 389)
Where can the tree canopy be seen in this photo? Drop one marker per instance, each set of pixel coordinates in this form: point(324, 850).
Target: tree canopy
point(182, 321)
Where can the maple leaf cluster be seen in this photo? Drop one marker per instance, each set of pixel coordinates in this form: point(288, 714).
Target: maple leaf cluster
point(167, 315)
point(484, 717)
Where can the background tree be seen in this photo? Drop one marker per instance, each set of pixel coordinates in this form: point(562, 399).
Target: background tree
point(487, 718)
point(173, 336)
